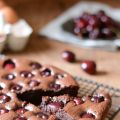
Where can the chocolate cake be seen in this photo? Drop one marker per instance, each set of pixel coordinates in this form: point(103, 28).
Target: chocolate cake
point(29, 89)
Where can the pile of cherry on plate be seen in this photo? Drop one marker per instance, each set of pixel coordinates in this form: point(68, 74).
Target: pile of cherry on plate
point(96, 26)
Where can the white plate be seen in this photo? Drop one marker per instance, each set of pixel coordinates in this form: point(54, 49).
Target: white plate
point(55, 31)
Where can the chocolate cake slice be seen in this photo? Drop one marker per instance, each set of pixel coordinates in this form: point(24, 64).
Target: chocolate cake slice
point(88, 108)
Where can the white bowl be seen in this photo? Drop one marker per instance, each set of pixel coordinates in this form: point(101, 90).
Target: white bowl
point(20, 33)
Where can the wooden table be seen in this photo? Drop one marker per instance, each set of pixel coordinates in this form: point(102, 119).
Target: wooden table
point(38, 13)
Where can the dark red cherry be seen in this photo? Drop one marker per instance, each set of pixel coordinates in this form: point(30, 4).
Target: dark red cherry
point(85, 16)
point(43, 116)
point(78, 101)
point(54, 106)
point(59, 76)
point(108, 33)
point(97, 99)
point(3, 111)
point(54, 86)
point(20, 118)
point(95, 34)
point(81, 23)
point(33, 83)
point(9, 76)
point(35, 65)
point(4, 98)
point(16, 88)
point(26, 74)
point(21, 110)
point(89, 66)
point(87, 115)
point(94, 21)
point(68, 56)
point(46, 73)
point(8, 64)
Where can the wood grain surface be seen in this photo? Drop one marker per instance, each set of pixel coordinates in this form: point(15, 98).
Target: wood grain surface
point(38, 13)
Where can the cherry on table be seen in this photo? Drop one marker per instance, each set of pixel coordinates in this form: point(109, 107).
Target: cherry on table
point(89, 66)
point(68, 56)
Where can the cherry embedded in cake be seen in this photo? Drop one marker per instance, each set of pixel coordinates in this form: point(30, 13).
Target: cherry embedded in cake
point(87, 115)
point(33, 83)
point(8, 64)
point(9, 76)
point(78, 101)
point(35, 65)
point(4, 98)
point(3, 111)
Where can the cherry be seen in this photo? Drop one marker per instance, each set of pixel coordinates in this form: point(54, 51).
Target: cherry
point(108, 33)
point(85, 16)
point(94, 21)
point(16, 88)
point(20, 118)
point(94, 34)
point(68, 56)
point(4, 98)
point(3, 111)
point(21, 110)
point(89, 66)
point(59, 76)
point(43, 116)
point(101, 13)
point(46, 73)
point(92, 26)
point(97, 99)
point(87, 115)
point(35, 65)
point(26, 74)
point(81, 23)
point(78, 101)
point(9, 76)
point(8, 64)
point(54, 86)
point(54, 106)
point(33, 83)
